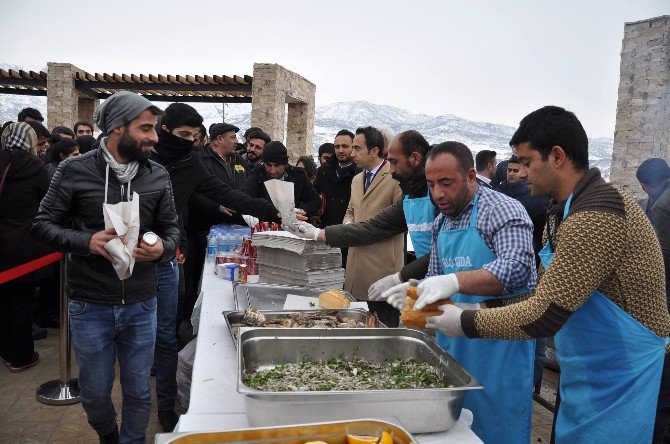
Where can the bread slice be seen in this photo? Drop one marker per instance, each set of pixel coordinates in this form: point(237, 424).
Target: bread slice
point(333, 298)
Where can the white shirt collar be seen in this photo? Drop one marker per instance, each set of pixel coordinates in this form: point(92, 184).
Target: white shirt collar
point(375, 169)
point(484, 179)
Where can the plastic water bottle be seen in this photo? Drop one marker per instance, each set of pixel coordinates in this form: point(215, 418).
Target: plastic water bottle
point(221, 243)
point(211, 247)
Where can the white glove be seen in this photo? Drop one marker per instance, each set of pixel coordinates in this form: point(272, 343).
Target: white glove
point(449, 322)
point(467, 306)
point(375, 291)
point(436, 288)
point(303, 230)
point(250, 220)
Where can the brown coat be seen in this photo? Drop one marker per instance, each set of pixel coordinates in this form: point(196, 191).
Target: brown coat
point(365, 265)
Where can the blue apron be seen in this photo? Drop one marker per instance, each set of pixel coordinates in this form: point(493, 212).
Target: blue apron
point(610, 372)
point(502, 411)
point(419, 216)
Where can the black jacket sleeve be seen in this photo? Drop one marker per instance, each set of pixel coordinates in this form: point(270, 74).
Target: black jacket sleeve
point(212, 188)
point(204, 204)
point(252, 186)
point(50, 226)
point(166, 223)
point(384, 225)
point(416, 269)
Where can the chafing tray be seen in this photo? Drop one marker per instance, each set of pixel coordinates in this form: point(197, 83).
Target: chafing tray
point(418, 410)
point(358, 314)
point(330, 432)
point(270, 296)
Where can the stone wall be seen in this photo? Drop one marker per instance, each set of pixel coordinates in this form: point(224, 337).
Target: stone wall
point(66, 105)
point(273, 87)
point(643, 109)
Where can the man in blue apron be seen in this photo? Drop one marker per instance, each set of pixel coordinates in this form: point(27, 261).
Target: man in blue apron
point(601, 291)
point(415, 214)
point(481, 249)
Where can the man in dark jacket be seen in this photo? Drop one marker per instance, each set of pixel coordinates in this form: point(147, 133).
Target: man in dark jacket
point(112, 317)
point(219, 156)
point(179, 127)
point(24, 181)
point(256, 141)
point(275, 166)
point(333, 179)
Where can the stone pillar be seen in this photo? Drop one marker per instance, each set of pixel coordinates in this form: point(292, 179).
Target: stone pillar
point(643, 108)
point(62, 97)
point(268, 99)
point(273, 86)
point(87, 106)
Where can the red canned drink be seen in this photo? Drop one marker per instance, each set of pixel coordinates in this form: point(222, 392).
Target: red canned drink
point(244, 272)
point(253, 267)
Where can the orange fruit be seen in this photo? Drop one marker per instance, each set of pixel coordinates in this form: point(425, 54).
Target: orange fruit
point(386, 438)
point(353, 439)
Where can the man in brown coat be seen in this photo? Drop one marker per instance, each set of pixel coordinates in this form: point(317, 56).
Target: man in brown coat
point(372, 191)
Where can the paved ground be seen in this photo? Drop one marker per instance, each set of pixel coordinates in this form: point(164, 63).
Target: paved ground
point(25, 420)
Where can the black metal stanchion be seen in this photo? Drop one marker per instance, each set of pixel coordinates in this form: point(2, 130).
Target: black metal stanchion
point(63, 390)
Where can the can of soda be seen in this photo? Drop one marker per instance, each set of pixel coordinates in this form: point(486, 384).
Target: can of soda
point(150, 238)
point(244, 272)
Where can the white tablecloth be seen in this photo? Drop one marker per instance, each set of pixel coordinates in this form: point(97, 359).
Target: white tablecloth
point(215, 403)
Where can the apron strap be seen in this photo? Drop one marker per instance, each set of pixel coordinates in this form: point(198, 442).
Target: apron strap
point(473, 215)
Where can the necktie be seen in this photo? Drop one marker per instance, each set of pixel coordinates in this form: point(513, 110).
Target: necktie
point(368, 179)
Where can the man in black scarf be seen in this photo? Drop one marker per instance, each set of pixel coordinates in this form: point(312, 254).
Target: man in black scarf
point(178, 129)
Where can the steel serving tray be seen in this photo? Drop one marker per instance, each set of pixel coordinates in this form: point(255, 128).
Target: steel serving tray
point(357, 314)
point(271, 296)
point(329, 432)
point(418, 410)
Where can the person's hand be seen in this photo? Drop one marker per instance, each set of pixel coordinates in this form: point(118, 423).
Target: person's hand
point(449, 322)
point(436, 288)
point(300, 214)
point(96, 245)
point(181, 259)
point(147, 253)
point(375, 291)
point(226, 211)
point(395, 296)
point(303, 229)
point(250, 220)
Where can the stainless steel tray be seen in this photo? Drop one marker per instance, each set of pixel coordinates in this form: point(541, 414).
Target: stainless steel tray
point(270, 296)
point(418, 410)
point(358, 314)
point(330, 432)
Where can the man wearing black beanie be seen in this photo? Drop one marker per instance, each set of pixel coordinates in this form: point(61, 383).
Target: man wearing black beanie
point(275, 166)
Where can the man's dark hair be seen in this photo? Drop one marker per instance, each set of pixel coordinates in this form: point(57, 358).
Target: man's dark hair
point(373, 139)
point(513, 159)
point(653, 172)
point(345, 132)
point(39, 129)
point(181, 114)
point(412, 141)
point(457, 149)
point(483, 158)
point(309, 165)
point(257, 133)
point(203, 131)
point(63, 146)
point(63, 130)
point(552, 126)
point(327, 148)
point(30, 112)
point(250, 130)
point(83, 123)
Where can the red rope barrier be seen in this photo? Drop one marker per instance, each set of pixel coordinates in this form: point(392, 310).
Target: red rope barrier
point(29, 267)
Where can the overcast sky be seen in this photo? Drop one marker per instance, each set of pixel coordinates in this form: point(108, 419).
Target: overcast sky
point(489, 61)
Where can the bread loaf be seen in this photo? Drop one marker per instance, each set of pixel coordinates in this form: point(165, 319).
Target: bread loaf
point(333, 299)
point(417, 319)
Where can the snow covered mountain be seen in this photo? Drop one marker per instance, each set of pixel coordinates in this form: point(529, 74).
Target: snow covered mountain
point(331, 118)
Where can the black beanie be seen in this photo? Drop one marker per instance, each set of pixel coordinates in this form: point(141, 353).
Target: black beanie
point(653, 171)
point(275, 152)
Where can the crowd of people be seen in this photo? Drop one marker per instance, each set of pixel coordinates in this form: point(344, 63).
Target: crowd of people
point(533, 247)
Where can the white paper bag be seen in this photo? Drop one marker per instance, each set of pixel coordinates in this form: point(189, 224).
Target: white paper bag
point(281, 194)
point(124, 217)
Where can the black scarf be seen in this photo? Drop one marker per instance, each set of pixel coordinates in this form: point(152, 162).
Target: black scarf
point(416, 186)
point(170, 148)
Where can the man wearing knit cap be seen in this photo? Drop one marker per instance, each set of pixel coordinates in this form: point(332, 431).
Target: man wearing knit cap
point(275, 166)
point(113, 317)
